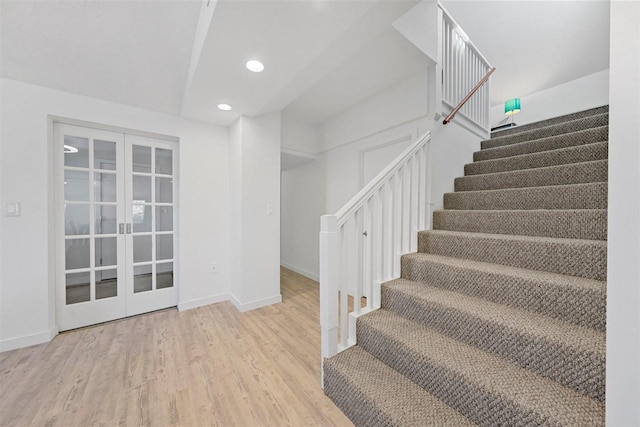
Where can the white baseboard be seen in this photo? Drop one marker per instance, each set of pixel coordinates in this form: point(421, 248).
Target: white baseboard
point(28, 340)
point(255, 304)
point(302, 271)
point(199, 302)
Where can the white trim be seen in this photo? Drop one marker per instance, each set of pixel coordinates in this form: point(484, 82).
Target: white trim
point(28, 340)
point(242, 307)
point(200, 302)
point(302, 271)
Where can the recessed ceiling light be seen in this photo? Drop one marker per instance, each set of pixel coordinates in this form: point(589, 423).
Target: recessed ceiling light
point(224, 107)
point(255, 66)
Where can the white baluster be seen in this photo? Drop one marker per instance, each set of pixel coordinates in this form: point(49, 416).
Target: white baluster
point(376, 247)
point(406, 209)
point(388, 231)
point(397, 223)
point(414, 204)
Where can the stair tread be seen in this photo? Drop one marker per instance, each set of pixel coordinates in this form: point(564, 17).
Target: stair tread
point(559, 119)
point(574, 299)
point(560, 223)
point(515, 272)
point(401, 401)
point(562, 128)
point(524, 321)
point(579, 257)
point(590, 195)
point(519, 238)
point(581, 172)
point(549, 143)
point(420, 346)
point(577, 154)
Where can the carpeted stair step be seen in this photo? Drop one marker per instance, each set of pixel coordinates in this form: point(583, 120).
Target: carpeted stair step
point(574, 257)
point(372, 394)
point(488, 389)
point(576, 173)
point(552, 121)
point(587, 136)
point(578, 154)
point(573, 196)
point(588, 224)
point(544, 132)
point(573, 299)
point(569, 354)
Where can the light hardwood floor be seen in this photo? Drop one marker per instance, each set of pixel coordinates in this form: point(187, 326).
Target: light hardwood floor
point(207, 366)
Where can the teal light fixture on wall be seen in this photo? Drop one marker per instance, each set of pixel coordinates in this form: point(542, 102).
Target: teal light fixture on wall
point(512, 107)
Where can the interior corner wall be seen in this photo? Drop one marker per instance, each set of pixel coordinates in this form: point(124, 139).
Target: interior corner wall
point(570, 97)
point(377, 129)
point(255, 210)
point(623, 278)
point(297, 135)
point(27, 308)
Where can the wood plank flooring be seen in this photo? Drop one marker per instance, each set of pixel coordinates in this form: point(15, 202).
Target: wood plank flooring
point(210, 366)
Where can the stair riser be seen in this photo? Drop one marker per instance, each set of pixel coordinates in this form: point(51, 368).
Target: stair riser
point(577, 224)
point(351, 401)
point(568, 366)
point(581, 196)
point(583, 153)
point(552, 121)
point(578, 173)
point(553, 130)
point(479, 405)
point(587, 136)
point(370, 393)
point(582, 258)
point(584, 307)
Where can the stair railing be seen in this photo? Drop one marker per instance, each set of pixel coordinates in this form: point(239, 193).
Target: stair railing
point(463, 66)
point(467, 97)
point(361, 245)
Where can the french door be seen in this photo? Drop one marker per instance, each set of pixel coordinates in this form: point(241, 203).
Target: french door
point(115, 225)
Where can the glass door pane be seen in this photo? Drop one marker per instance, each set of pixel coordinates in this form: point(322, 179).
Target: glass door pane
point(151, 209)
point(89, 190)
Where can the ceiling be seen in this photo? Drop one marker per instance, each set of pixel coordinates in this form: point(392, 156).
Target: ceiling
point(535, 45)
point(132, 52)
point(321, 57)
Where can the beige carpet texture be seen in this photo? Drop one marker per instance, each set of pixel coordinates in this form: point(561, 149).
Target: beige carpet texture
point(499, 319)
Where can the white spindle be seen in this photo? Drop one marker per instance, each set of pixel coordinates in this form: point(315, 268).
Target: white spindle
point(388, 257)
point(397, 223)
point(406, 209)
point(414, 204)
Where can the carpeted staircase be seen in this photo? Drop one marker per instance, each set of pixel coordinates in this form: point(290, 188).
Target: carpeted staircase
point(499, 318)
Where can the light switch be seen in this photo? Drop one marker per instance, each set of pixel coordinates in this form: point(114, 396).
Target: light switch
point(12, 209)
point(269, 208)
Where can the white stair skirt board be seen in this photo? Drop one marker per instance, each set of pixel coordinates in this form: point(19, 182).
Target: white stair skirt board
point(255, 304)
point(28, 340)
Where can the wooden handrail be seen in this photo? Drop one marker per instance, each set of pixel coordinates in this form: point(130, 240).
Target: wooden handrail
point(466, 98)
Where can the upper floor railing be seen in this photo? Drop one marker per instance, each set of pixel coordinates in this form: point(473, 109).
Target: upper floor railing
point(464, 69)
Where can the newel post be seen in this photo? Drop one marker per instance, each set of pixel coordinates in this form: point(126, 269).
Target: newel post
point(329, 277)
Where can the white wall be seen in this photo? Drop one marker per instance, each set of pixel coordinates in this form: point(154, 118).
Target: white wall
point(27, 308)
point(351, 145)
point(623, 279)
point(577, 95)
point(255, 217)
point(399, 104)
point(298, 136)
